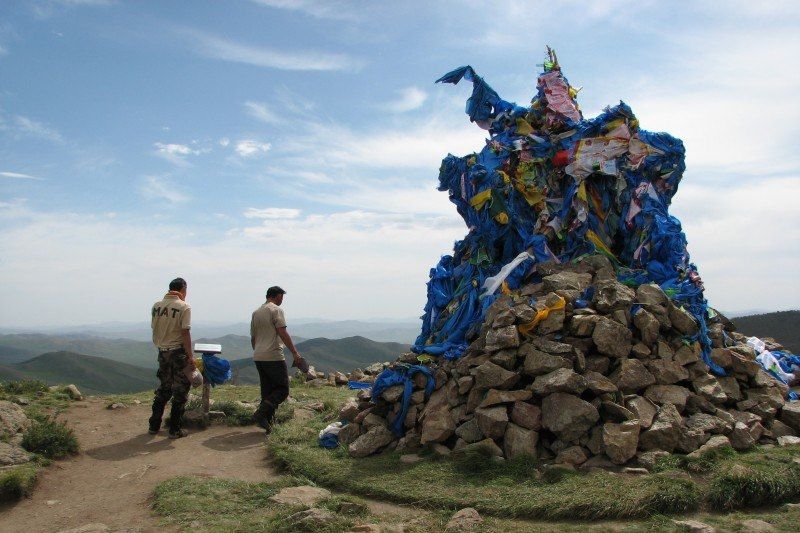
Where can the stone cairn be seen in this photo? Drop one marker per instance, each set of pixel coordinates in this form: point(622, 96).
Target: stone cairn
point(316, 378)
point(597, 386)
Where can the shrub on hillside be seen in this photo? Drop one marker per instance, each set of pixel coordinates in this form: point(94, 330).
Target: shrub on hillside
point(24, 386)
point(50, 437)
point(17, 482)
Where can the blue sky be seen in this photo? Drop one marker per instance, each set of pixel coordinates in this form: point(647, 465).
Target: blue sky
point(247, 143)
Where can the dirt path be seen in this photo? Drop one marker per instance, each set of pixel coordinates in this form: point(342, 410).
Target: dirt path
point(120, 464)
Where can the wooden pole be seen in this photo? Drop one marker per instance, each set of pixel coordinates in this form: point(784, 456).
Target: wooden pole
point(206, 401)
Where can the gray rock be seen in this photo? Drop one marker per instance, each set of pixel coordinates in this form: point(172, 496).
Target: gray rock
point(612, 338)
point(610, 295)
point(526, 415)
point(620, 441)
point(651, 294)
point(613, 412)
point(693, 526)
point(648, 459)
point(598, 363)
point(691, 439)
point(393, 393)
point(12, 454)
point(708, 424)
point(349, 433)
point(574, 455)
point(788, 440)
point(566, 281)
point(372, 420)
point(647, 325)
point(311, 519)
point(464, 520)
point(710, 389)
point(632, 375)
point(492, 421)
point(492, 376)
point(470, 432)
point(668, 394)
point(73, 392)
point(437, 426)
point(598, 383)
point(465, 384)
point(495, 397)
point(349, 411)
point(505, 337)
point(644, 410)
point(790, 415)
point(371, 441)
point(686, 355)
point(667, 372)
point(583, 325)
point(503, 318)
point(519, 441)
point(741, 438)
point(665, 431)
point(304, 495)
point(561, 380)
point(568, 416)
point(12, 419)
point(410, 459)
point(538, 363)
point(753, 525)
point(778, 428)
point(505, 358)
point(487, 446)
point(717, 441)
point(730, 386)
point(681, 319)
point(552, 347)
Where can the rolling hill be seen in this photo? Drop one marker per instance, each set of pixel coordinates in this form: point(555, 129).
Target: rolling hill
point(330, 354)
point(783, 326)
point(92, 375)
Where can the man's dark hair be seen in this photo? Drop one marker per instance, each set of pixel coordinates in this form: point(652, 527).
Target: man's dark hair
point(177, 284)
point(272, 292)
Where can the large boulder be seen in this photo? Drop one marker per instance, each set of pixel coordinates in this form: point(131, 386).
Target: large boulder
point(526, 415)
point(790, 415)
point(371, 441)
point(667, 372)
point(492, 376)
point(568, 416)
point(519, 441)
point(570, 281)
point(612, 338)
point(610, 295)
point(665, 431)
point(647, 325)
point(469, 431)
point(504, 337)
point(561, 380)
point(437, 426)
point(11, 454)
point(682, 320)
point(492, 421)
point(538, 363)
point(620, 441)
point(632, 376)
point(12, 419)
point(668, 394)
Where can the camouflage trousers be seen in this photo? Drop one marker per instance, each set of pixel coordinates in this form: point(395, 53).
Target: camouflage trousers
point(173, 384)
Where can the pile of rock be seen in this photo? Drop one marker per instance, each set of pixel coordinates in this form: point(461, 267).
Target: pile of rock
point(13, 423)
point(614, 380)
point(339, 379)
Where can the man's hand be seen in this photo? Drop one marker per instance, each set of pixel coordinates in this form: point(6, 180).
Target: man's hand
point(296, 356)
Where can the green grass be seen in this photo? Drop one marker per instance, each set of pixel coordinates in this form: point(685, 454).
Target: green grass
point(50, 438)
point(23, 387)
point(18, 482)
point(228, 505)
point(518, 489)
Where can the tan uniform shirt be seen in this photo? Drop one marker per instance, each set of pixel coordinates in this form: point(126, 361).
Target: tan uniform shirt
point(267, 346)
point(170, 317)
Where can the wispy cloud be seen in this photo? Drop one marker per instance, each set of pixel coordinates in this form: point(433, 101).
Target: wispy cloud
point(159, 188)
point(18, 176)
point(271, 213)
point(409, 99)
point(261, 56)
point(177, 153)
point(261, 112)
point(330, 9)
point(29, 127)
point(249, 148)
point(3, 50)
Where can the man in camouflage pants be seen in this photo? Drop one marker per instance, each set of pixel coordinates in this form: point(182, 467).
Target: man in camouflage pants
point(171, 322)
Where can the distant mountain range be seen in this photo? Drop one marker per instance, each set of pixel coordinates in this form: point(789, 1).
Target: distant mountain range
point(783, 326)
point(403, 331)
point(92, 375)
point(98, 364)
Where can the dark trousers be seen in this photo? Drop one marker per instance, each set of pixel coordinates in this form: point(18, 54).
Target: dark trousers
point(274, 388)
point(174, 384)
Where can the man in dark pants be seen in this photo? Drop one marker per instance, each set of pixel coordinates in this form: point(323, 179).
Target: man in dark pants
point(268, 336)
point(171, 320)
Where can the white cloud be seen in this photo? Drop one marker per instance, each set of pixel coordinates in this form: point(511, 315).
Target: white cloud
point(177, 153)
point(271, 213)
point(32, 128)
point(3, 50)
point(262, 112)
point(259, 56)
point(326, 9)
point(224, 142)
point(249, 148)
point(158, 188)
point(409, 99)
point(18, 176)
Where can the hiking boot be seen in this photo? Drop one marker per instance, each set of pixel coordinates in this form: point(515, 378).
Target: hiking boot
point(262, 422)
point(177, 434)
point(153, 431)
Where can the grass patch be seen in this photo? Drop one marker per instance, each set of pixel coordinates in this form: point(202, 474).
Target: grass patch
point(235, 413)
point(756, 479)
point(229, 505)
point(517, 488)
point(49, 437)
point(24, 387)
point(17, 482)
